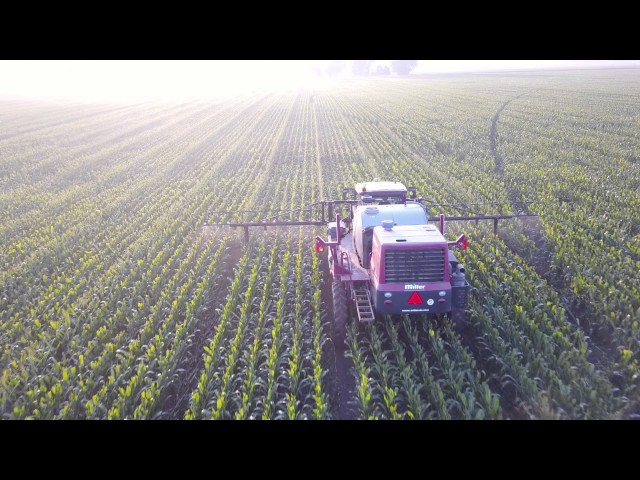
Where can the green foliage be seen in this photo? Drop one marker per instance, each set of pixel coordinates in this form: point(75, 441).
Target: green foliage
point(115, 304)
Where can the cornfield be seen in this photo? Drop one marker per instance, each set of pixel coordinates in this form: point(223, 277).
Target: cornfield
point(116, 302)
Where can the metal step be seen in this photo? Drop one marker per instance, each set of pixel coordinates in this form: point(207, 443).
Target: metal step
point(363, 305)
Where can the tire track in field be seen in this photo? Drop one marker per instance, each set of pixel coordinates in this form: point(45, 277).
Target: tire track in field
point(318, 163)
point(532, 228)
point(498, 160)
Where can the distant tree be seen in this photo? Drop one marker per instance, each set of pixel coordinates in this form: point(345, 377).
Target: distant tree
point(383, 70)
point(361, 67)
point(334, 67)
point(403, 67)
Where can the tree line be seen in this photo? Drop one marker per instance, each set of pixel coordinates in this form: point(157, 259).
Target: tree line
point(368, 67)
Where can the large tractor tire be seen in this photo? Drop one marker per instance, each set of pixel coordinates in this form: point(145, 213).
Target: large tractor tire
point(458, 318)
point(340, 316)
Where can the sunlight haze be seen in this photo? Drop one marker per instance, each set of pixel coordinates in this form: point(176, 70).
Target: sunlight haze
point(180, 79)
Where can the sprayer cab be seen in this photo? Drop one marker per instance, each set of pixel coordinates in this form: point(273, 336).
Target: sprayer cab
point(380, 193)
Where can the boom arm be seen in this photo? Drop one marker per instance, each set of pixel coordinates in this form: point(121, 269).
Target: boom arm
point(326, 208)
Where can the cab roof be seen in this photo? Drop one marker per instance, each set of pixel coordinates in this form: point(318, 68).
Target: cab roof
point(382, 187)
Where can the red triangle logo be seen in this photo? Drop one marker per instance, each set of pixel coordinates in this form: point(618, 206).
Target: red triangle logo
point(415, 299)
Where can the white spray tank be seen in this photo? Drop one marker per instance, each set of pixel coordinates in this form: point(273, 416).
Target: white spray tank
point(458, 278)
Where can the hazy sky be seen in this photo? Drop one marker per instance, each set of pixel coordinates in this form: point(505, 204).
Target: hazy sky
point(149, 79)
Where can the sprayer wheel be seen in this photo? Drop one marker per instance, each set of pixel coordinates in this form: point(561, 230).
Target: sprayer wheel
point(340, 315)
